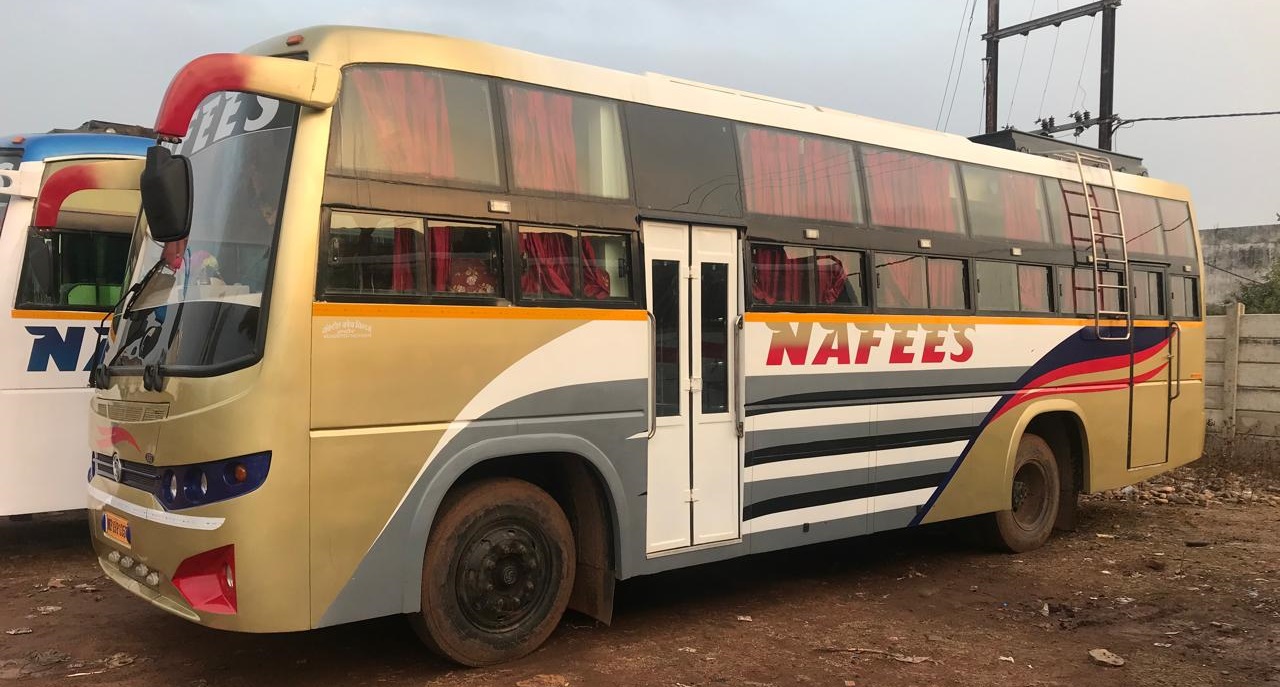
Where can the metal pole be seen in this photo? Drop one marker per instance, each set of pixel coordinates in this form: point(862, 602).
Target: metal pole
point(1106, 104)
point(993, 63)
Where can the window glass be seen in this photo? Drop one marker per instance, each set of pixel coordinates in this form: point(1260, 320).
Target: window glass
point(1143, 230)
point(900, 281)
point(715, 337)
point(839, 275)
point(463, 259)
point(1175, 216)
point(794, 175)
point(1183, 297)
point(606, 266)
point(1148, 298)
point(1005, 204)
point(81, 263)
point(947, 285)
point(780, 274)
point(1113, 300)
point(683, 162)
point(1075, 290)
point(565, 143)
point(666, 340)
point(912, 191)
point(372, 253)
point(997, 286)
point(416, 125)
point(1056, 206)
point(1033, 288)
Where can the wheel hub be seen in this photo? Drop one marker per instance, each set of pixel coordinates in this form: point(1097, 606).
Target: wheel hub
point(502, 576)
point(1030, 496)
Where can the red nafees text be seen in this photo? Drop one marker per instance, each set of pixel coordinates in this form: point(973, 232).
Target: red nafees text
point(810, 343)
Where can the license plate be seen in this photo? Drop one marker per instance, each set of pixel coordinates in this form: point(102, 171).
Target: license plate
point(116, 528)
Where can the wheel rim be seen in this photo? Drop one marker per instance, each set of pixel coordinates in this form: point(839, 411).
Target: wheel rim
point(1030, 496)
point(504, 574)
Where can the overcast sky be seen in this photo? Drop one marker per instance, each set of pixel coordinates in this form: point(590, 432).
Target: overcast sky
point(66, 61)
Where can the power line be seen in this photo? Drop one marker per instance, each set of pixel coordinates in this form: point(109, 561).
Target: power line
point(1083, 60)
point(1177, 118)
point(1057, 33)
point(963, 51)
point(946, 88)
point(1013, 97)
point(1234, 274)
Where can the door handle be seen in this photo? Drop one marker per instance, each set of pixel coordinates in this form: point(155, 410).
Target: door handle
point(1176, 359)
point(651, 399)
point(738, 379)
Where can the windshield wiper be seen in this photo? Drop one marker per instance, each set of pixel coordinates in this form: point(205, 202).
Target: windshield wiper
point(99, 377)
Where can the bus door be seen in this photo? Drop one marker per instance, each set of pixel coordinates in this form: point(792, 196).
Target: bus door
point(694, 300)
point(1149, 375)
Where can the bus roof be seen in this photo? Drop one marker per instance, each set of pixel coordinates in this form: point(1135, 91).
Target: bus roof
point(46, 146)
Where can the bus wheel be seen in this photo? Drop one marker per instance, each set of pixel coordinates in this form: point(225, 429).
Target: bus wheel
point(1028, 524)
point(497, 572)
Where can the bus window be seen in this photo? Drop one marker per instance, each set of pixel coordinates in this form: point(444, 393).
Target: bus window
point(565, 143)
point(415, 125)
point(780, 274)
point(913, 191)
point(1175, 217)
point(997, 286)
point(1033, 288)
point(1148, 296)
point(839, 277)
point(606, 266)
point(1142, 227)
point(795, 175)
point(666, 320)
point(900, 281)
point(370, 253)
point(683, 162)
point(947, 285)
point(1007, 205)
point(463, 259)
point(563, 264)
point(1183, 296)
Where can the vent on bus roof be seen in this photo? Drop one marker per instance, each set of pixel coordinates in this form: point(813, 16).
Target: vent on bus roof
point(132, 411)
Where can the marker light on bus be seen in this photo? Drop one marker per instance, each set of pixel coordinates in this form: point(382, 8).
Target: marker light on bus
point(207, 580)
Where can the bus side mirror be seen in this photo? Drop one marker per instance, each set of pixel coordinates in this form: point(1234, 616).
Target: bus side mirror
point(166, 194)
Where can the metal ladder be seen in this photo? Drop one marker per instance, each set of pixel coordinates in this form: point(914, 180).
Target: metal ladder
point(1099, 258)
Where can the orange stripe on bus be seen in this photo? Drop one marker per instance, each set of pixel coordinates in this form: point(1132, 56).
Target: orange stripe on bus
point(472, 312)
point(943, 319)
point(54, 315)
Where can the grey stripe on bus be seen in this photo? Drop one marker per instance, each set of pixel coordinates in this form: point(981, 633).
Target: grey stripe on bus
point(764, 490)
point(829, 530)
point(771, 438)
point(386, 580)
point(764, 387)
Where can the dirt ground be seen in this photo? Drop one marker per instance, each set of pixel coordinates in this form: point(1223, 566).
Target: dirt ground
point(1185, 594)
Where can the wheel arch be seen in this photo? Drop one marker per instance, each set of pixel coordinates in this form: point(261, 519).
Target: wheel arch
point(1060, 422)
point(578, 460)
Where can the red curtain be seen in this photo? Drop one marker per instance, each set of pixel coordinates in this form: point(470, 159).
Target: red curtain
point(946, 284)
point(831, 279)
point(1022, 219)
point(402, 259)
point(396, 122)
point(441, 258)
point(911, 191)
point(797, 176)
point(548, 257)
point(595, 280)
point(543, 148)
point(777, 277)
point(1033, 288)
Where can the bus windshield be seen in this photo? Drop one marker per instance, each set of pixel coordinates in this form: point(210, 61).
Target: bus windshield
point(201, 303)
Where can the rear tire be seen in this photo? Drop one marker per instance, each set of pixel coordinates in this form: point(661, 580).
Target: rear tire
point(497, 573)
point(1036, 493)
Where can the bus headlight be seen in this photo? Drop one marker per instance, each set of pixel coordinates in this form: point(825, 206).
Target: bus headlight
point(218, 480)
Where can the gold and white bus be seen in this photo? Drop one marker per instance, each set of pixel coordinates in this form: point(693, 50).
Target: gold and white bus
point(439, 328)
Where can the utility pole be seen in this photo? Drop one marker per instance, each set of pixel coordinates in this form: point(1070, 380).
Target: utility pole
point(1106, 114)
point(993, 64)
point(1106, 79)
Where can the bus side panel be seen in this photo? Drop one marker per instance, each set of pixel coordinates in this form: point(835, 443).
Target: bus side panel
point(494, 387)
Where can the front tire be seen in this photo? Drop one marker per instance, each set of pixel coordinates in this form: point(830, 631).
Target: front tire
point(497, 573)
point(1036, 493)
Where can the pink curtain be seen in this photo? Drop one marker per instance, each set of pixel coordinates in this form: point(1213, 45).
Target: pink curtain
point(911, 191)
point(395, 121)
point(946, 284)
point(1033, 288)
point(797, 176)
point(901, 285)
point(543, 148)
point(441, 258)
point(595, 280)
point(547, 257)
point(1022, 219)
point(777, 277)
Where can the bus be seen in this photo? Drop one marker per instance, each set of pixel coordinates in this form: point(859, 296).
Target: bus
point(431, 327)
point(58, 277)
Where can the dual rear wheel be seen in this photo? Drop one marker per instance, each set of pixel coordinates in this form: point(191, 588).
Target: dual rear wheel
point(1036, 496)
